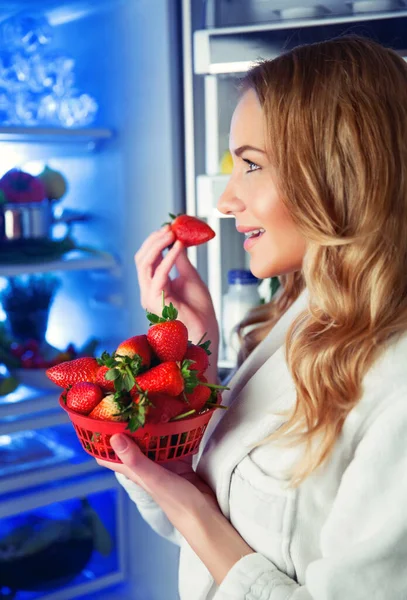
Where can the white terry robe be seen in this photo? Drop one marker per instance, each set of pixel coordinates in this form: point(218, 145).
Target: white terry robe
point(342, 534)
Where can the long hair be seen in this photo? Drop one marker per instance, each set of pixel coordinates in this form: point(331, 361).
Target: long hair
point(336, 115)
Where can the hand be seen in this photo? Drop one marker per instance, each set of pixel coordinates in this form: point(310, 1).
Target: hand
point(173, 485)
point(189, 504)
point(187, 291)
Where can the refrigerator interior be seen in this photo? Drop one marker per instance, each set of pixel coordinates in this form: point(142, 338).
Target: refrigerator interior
point(127, 56)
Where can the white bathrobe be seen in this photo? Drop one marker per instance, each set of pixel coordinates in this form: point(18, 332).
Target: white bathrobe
point(342, 534)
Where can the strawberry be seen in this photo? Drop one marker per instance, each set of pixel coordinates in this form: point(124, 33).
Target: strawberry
point(108, 410)
point(100, 445)
point(198, 355)
point(190, 230)
point(137, 344)
point(83, 397)
point(168, 337)
point(164, 408)
point(105, 384)
point(166, 378)
point(69, 372)
point(199, 396)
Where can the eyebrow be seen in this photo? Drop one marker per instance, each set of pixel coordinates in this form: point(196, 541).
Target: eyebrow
point(239, 151)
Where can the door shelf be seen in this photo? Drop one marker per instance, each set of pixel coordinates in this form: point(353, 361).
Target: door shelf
point(209, 189)
point(233, 50)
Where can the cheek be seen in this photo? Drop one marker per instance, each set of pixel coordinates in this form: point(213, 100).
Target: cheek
point(282, 247)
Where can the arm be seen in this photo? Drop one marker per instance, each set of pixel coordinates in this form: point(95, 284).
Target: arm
point(363, 542)
point(150, 511)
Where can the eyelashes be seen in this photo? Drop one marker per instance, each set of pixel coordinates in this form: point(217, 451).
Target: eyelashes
point(252, 166)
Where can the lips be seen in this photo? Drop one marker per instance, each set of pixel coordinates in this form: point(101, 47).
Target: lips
point(242, 229)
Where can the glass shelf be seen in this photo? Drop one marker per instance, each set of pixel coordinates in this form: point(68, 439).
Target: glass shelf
point(72, 261)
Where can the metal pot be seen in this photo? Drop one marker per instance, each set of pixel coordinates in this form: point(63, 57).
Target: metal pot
point(28, 220)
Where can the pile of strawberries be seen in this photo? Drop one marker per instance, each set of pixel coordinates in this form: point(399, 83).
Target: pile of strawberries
point(149, 379)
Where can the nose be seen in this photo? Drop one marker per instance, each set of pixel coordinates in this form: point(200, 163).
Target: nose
point(229, 203)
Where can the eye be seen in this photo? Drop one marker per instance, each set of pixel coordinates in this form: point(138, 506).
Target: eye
point(252, 166)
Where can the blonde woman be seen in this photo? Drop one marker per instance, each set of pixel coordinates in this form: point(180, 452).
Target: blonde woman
point(300, 487)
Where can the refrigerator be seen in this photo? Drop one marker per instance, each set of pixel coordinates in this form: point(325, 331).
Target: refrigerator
point(164, 76)
point(125, 173)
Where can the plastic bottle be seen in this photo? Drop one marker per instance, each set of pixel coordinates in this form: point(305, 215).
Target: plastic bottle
point(242, 295)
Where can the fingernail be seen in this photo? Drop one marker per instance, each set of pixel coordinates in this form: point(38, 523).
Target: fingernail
point(119, 443)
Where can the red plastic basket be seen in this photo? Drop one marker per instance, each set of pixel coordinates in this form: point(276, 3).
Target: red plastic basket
point(161, 443)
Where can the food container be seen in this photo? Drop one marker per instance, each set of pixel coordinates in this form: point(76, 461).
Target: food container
point(26, 220)
point(162, 443)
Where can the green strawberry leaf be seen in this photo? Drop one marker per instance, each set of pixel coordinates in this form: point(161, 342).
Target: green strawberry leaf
point(112, 374)
point(169, 313)
point(137, 419)
point(153, 318)
point(205, 346)
point(128, 381)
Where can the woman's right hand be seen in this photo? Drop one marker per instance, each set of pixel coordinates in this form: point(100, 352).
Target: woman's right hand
point(186, 291)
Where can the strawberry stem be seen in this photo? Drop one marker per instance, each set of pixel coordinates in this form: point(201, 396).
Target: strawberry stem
point(212, 386)
point(216, 405)
point(177, 418)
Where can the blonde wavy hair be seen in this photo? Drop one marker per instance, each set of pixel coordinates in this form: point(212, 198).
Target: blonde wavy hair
point(336, 113)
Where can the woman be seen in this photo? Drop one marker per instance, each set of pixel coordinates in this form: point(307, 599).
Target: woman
point(299, 489)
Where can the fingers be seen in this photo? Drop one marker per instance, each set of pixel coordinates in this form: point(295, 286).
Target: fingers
point(149, 255)
point(137, 466)
point(162, 271)
point(184, 266)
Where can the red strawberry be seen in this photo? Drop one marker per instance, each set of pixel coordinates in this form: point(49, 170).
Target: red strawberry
point(199, 396)
point(83, 397)
point(169, 340)
point(190, 230)
point(168, 337)
point(107, 410)
point(199, 357)
point(73, 371)
point(137, 344)
point(164, 408)
point(100, 444)
point(165, 378)
point(107, 386)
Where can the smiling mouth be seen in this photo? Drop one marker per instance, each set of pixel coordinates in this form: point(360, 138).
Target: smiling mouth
point(255, 233)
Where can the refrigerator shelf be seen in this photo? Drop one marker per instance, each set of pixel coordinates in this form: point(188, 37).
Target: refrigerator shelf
point(232, 50)
point(33, 422)
point(89, 139)
point(27, 400)
point(62, 506)
point(31, 458)
point(72, 261)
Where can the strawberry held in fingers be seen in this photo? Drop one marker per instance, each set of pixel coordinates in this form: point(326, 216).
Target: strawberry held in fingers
point(190, 230)
point(137, 344)
point(73, 371)
point(167, 336)
point(83, 397)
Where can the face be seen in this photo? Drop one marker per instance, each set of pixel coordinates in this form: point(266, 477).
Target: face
point(272, 239)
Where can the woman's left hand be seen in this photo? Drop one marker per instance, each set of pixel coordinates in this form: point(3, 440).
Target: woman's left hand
point(174, 485)
point(188, 502)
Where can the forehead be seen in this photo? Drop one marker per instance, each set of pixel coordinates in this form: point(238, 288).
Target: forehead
point(248, 123)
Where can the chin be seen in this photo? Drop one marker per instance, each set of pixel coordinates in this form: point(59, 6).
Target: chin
point(262, 270)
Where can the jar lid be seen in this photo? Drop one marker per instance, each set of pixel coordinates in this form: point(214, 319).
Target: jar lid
point(241, 276)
